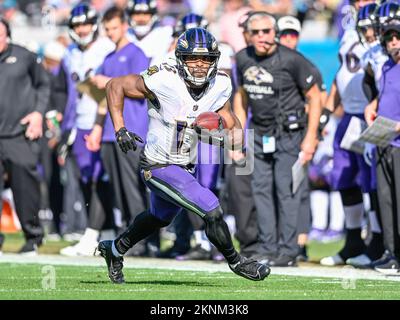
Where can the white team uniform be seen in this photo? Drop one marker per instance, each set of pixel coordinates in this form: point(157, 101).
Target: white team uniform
point(349, 78)
point(155, 44)
point(376, 58)
point(81, 64)
point(170, 140)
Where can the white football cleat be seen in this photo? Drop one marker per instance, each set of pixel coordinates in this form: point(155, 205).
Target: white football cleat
point(82, 248)
point(335, 260)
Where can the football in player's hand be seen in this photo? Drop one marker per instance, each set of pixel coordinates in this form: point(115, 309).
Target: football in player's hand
point(209, 121)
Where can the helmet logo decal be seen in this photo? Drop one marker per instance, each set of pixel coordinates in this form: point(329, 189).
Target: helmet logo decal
point(214, 45)
point(184, 43)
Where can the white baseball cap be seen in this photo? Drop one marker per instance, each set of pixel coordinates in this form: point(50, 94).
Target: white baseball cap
point(54, 50)
point(289, 23)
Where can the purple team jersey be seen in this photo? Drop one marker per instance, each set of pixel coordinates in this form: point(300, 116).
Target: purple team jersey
point(389, 95)
point(130, 59)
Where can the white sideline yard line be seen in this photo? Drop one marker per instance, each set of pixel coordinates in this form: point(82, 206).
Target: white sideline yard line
point(345, 272)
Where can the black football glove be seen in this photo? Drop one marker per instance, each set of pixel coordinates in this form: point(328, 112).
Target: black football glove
point(64, 146)
point(127, 140)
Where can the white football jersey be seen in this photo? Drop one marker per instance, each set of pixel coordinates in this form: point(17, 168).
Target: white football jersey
point(349, 78)
point(170, 140)
point(376, 58)
point(155, 44)
point(80, 65)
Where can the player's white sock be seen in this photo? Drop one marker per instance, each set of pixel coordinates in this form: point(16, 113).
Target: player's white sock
point(107, 234)
point(201, 239)
point(367, 202)
point(115, 251)
point(373, 220)
point(336, 221)
point(353, 216)
point(319, 209)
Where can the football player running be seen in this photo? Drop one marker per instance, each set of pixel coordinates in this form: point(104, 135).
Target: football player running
point(208, 169)
point(177, 94)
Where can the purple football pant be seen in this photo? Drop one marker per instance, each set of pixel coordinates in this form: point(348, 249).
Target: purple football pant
point(208, 168)
point(173, 188)
point(89, 163)
point(349, 168)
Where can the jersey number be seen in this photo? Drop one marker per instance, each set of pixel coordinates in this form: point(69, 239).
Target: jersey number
point(352, 61)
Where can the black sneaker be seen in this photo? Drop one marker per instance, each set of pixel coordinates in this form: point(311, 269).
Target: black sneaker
point(30, 248)
point(250, 269)
point(391, 267)
point(114, 264)
point(302, 256)
point(196, 253)
point(387, 255)
point(283, 261)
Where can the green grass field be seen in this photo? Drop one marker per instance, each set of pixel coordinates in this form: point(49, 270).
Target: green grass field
point(31, 281)
point(14, 242)
point(40, 281)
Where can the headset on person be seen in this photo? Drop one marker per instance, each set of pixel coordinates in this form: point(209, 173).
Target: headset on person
point(289, 121)
point(244, 22)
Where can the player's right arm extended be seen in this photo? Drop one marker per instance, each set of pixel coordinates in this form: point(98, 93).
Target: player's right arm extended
point(131, 86)
point(117, 89)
